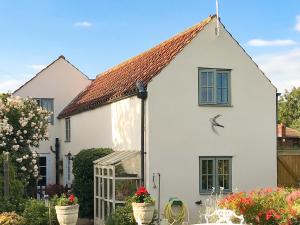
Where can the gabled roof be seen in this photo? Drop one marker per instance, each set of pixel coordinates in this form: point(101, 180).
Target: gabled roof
point(60, 57)
point(120, 81)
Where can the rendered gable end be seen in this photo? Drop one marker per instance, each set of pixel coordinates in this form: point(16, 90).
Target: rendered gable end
point(179, 130)
point(59, 81)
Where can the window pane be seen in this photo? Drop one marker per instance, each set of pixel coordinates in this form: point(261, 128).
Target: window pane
point(226, 182)
point(221, 181)
point(224, 95)
point(210, 182)
point(209, 94)
point(210, 167)
point(226, 167)
point(42, 182)
point(220, 166)
point(219, 95)
point(203, 94)
point(219, 80)
point(43, 171)
point(210, 79)
point(225, 80)
point(48, 105)
point(42, 161)
point(204, 79)
point(204, 182)
point(204, 166)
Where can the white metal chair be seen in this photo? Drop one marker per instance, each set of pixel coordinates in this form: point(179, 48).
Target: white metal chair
point(224, 216)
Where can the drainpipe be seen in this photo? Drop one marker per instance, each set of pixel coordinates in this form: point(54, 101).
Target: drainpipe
point(277, 96)
point(142, 94)
point(56, 151)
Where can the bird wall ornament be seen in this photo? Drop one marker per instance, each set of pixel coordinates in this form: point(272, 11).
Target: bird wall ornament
point(214, 122)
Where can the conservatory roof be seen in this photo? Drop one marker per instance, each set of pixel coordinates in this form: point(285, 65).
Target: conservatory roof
point(116, 157)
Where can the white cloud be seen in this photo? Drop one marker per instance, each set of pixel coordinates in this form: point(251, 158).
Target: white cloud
point(83, 24)
point(11, 83)
point(278, 42)
point(36, 66)
point(282, 68)
point(297, 26)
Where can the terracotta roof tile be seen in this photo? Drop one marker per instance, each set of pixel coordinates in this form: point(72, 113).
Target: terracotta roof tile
point(120, 81)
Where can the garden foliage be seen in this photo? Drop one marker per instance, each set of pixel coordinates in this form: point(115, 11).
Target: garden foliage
point(83, 178)
point(289, 108)
point(11, 218)
point(123, 215)
point(12, 204)
point(16, 186)
point(23, 124)
point(265, 206)
point(36, 213)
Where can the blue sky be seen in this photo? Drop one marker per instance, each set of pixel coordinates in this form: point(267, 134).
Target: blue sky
point(95, 35)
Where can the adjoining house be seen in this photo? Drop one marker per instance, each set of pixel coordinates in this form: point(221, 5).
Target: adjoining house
point(287, 138)
point(53, 88)
point(209, 117)
point(288, 150)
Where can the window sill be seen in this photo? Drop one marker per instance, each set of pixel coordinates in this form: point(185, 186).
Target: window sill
point(209, 193)
point(214, 105)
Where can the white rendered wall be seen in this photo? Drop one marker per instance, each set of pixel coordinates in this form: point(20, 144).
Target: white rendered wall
point(179, 131)
point(115, 125)
point(62, 82)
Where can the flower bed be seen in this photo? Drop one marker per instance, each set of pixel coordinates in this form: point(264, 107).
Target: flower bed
point(266, 206)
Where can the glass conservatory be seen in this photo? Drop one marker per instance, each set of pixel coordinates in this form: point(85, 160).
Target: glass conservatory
point(116, 176)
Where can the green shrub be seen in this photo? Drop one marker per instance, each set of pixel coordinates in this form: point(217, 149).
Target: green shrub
point(16, 187)
point(12, 204)
point(123, 215)
point(83, 178)
point(36, 213)
point(11, 218)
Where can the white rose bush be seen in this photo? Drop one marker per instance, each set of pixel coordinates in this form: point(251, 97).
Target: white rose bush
point(23, 125)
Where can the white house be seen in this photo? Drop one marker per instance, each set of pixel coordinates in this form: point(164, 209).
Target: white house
point(190, 79)
point(53, 87)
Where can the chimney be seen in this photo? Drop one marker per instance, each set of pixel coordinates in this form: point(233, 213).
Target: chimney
point(281, 132)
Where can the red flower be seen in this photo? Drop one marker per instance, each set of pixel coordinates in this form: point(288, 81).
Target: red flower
point(72, 198)
point(272, 213)
point(142, 191)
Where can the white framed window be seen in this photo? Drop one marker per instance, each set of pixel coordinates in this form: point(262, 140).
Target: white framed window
point(47, 103)
point(68, 129)
point(214, 87)
point(215, 172)
point(44, 163)
point(68, 171)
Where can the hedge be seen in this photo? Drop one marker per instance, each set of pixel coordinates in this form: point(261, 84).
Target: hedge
point(84, 178)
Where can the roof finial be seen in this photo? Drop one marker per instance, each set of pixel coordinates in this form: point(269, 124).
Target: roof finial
point(218, 22)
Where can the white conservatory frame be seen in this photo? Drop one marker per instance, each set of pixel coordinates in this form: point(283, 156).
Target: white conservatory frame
point(105, 178)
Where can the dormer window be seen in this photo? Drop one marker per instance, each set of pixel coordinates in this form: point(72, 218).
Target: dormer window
point(214, 87)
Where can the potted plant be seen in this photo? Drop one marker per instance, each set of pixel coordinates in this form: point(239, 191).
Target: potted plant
point(66, 208)
point(143, 206)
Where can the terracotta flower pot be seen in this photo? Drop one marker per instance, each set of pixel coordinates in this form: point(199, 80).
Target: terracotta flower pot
point(143, 212)
point(67, 215)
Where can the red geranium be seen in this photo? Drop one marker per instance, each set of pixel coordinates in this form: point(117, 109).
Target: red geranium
point(142, 196)
point(72, 198)
point(142, 191)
